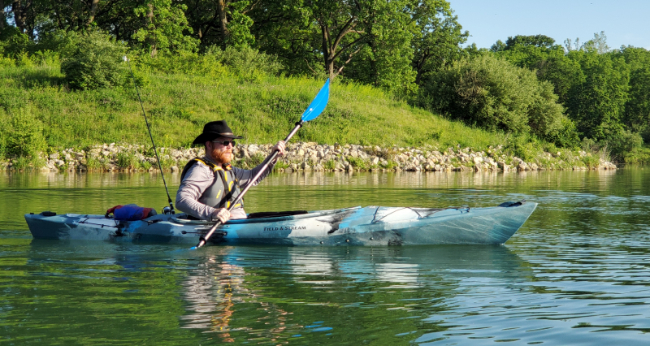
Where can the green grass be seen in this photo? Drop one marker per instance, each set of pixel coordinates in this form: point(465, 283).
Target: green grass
point(263, 111)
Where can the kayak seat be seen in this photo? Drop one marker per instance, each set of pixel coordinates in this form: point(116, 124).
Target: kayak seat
point(268, 214)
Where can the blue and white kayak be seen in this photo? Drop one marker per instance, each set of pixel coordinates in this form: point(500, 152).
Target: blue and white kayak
point(369, 226)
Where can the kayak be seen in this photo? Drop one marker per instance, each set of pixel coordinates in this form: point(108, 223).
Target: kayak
point(361, 226)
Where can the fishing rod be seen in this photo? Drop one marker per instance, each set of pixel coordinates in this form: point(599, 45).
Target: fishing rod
point(169, 199)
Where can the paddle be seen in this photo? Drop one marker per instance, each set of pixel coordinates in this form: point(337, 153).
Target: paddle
point(315, 108)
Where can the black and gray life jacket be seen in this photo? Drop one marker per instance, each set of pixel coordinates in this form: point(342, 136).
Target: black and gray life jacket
point(225, 188)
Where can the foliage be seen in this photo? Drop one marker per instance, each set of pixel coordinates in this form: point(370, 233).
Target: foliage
point(14, 43)
point(221, 23)
point(127, 160)
point(245, 63)
point(358, 163)
point(164, 28)
point(96, 62)
point(23, 135)
point(637, 109)
point(598, 102)
point(438, 37)
point(490, 93)
point(623, 142)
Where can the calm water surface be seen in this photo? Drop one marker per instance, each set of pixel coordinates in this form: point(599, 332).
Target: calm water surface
point(577, 273)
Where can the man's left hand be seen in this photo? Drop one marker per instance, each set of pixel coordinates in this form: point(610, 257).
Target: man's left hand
point(279, 147)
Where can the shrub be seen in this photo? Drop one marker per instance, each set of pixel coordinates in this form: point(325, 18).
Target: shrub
point(127, 160)
point(6, 62)
point(97, 62)
point(357, 162)
point(623, 143)
point(330, 165)
point(493, 94)
point(24, 137)
point(13, 42)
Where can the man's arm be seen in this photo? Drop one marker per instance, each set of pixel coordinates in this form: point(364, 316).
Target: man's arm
point(197, 179)
point(245, 176)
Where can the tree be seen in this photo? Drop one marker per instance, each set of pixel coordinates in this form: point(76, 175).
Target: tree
point(3, 16)
point(24, 16)
point(637, 108)
point(492, 93)
point(164, 28)
point(222, 22)
point(438, 37)
point(597, 103)
point(541, 41)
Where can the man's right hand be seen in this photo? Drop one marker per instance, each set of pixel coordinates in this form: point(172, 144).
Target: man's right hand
point(221, 214)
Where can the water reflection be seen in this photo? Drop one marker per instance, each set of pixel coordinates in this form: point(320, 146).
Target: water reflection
point(242, 293)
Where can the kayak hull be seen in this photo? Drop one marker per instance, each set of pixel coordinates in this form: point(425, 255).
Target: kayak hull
point(368, 226)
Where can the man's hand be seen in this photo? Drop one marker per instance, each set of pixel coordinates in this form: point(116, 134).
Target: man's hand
point(221, 214)
point(279, 147)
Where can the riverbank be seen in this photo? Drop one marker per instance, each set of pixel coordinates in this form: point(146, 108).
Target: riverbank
point(310, 156)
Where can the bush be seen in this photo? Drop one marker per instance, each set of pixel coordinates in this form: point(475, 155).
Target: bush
point(623, 143)
point(13, 42)
point(126, 160)
point(24, 136)
point(493, 94)
point(97, 62)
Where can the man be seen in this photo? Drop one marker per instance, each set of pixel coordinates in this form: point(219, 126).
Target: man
point(210, 184)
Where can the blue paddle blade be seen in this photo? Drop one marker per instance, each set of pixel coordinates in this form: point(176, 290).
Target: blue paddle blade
point(317, 106)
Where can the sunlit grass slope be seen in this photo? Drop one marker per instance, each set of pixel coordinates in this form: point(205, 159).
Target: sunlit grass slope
point(262, 110)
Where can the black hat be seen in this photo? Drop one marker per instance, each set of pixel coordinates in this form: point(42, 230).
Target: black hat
point(215, 129)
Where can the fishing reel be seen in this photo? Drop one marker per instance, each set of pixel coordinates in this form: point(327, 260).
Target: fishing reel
point(168, 211)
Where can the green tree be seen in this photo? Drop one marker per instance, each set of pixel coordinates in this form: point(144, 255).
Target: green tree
point(598, 102)
point(222, 23)
point(438, 37)
point(164, 28)
point(385, 61)
point(637, 108)
point(519, 41)
point(492, 93)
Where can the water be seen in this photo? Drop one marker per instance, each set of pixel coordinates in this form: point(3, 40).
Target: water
point(578, 272)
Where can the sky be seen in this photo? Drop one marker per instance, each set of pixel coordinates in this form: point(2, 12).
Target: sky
point(625, 22)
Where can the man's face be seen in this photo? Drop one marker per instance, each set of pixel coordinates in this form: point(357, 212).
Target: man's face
point(219, 152)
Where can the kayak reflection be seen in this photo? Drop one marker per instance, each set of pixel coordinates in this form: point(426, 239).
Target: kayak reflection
point(271, 293)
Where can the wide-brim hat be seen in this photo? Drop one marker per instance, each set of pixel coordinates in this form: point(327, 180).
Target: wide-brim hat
point(215, 129)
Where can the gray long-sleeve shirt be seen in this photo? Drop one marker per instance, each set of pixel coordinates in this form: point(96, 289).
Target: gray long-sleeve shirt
point(199, 177)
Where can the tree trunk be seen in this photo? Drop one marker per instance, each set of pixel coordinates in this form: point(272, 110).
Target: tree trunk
point(3, 16)
point(93, 11)
point(223, 21)
point(150, 18)
point(332, 49)
point(19, 9)
point(327, 52)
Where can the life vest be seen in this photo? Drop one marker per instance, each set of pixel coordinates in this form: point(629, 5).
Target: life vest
point(225, 188)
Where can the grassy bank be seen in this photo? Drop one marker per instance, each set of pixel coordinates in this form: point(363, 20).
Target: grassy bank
point(37, 109)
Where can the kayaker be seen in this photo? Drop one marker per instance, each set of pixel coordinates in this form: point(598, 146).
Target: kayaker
point(209, 184)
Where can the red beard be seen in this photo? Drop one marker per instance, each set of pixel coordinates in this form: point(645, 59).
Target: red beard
point(223, 156)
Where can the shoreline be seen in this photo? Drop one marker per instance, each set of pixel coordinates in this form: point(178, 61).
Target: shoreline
point(310, 156)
